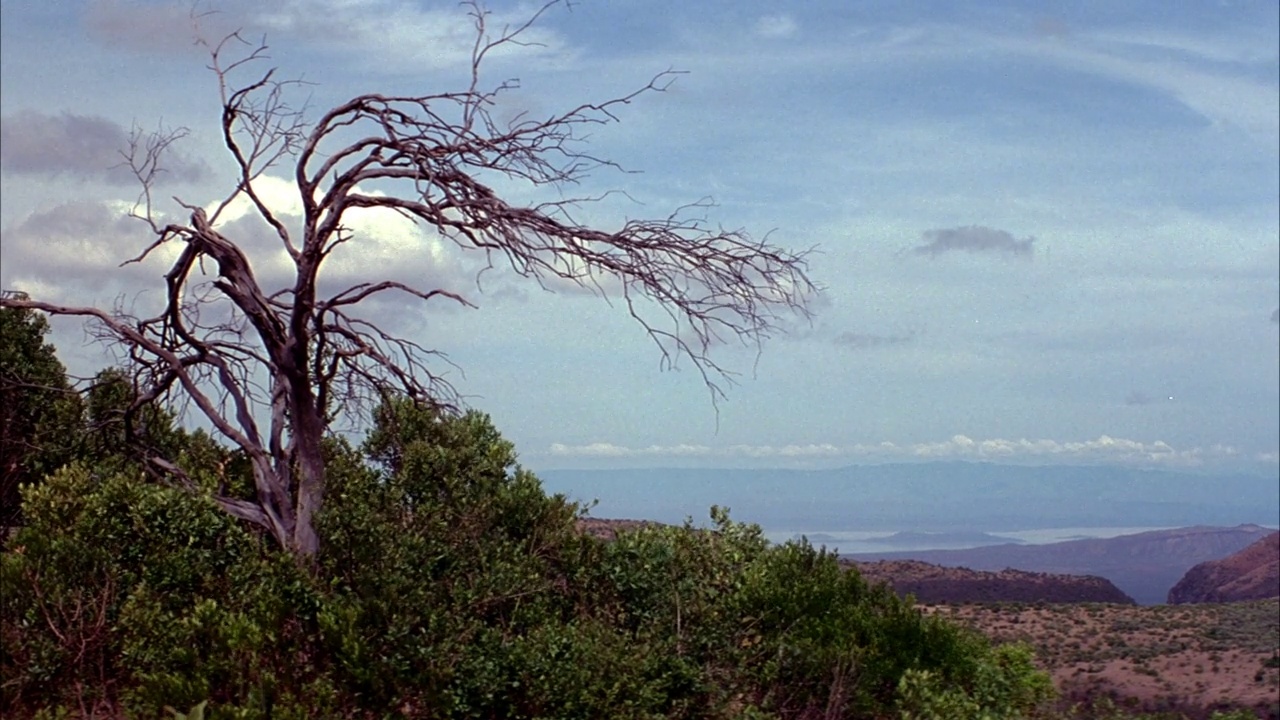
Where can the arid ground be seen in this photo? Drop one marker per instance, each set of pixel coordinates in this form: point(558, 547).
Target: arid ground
point(1189, 658)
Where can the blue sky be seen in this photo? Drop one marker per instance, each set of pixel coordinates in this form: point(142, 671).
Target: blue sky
point(1045, 234)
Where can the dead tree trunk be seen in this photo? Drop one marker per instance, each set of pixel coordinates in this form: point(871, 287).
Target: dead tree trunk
point(435, 159)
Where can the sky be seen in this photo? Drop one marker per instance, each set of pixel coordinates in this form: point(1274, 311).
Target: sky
point(1044, 234)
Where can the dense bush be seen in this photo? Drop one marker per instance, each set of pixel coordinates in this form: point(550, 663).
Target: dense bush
point(451, 586)
point(38, 413)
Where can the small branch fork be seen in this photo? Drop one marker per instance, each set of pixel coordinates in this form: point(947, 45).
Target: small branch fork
point(268, 369)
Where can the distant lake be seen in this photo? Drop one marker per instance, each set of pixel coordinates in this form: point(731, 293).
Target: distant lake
point(857, 503)
point(879, 542)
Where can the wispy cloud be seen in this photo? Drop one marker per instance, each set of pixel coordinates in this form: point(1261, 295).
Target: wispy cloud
point(973, 239)
point(1203, 75)
point(407, 36)
point(1137, 397)
point(776, 26)
point(610, 450)
point(959, 447)
point(389, 35)
point(867, 341)
point(151, 27)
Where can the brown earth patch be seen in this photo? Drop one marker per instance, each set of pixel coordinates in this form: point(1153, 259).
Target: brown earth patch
point(1191, 659)
point(608, 529)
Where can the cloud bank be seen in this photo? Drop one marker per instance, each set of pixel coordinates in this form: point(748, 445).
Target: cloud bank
point(959, 447)
point(82, 146)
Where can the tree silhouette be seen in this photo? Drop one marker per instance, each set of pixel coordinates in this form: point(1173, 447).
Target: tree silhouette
point(271, 367)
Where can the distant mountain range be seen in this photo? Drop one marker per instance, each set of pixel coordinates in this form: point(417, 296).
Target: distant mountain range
point(925, 539)
point(1143, 565)
point(946, 497)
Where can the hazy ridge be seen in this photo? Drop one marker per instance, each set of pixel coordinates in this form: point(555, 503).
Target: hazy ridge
point(931, 497)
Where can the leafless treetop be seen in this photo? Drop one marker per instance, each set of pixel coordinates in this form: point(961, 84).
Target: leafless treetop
point(269, 368)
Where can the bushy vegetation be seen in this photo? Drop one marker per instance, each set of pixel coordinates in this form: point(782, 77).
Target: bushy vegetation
point(451, 586)
point(37, 409)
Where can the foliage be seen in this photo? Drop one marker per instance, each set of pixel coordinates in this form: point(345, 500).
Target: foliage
point(45, 423)
point(1006, 683)
point(38, 413)
point(451, 586)
point(117, 427)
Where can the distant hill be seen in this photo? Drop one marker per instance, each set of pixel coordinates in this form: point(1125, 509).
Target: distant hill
point(1251, 574)
point(1143, 565)
point(932, 497)
point(936, 584)
point(934, 540)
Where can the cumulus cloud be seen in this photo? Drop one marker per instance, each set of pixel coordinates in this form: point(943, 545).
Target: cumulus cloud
point(84, 146)
point(384, 245)
point(1105, 449)
point(974, 239)
point(71, 253)
point(776, 26)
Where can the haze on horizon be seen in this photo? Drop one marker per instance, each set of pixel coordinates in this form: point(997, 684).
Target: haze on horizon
point(1047, 235)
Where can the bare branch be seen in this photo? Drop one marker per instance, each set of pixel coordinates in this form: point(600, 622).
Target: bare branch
point(272, 368)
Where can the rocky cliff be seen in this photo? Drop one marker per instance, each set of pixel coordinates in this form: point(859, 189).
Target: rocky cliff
point(1250, 574)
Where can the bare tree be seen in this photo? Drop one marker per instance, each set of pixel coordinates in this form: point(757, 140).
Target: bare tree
point(267, 366)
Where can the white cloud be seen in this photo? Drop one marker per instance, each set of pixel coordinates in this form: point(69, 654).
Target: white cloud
point(609, 450)
point(278, 194)
point(394, 34)
point(776, 26)
point(1229, 99)
point(385, 244)
point(72, 253)
point(1105, 449)
point(1226, 49)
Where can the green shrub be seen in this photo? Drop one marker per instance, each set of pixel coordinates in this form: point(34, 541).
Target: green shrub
point(449, 585)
